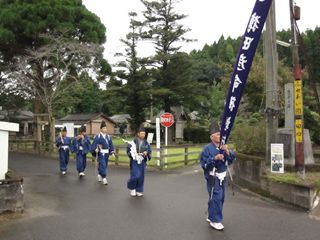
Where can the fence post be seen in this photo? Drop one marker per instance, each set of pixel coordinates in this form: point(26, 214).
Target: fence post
point(39, 147)
point(161, 158)
point(51, 149)
point(186, 156)
point(117, 156)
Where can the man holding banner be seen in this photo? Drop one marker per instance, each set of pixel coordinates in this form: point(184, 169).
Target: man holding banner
point(214, 161)
point(217, 153)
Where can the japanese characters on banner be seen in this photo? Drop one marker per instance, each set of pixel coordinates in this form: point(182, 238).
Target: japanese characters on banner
point(242, 67)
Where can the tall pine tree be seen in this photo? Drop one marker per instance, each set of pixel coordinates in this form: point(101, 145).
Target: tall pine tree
point(136, 90)
point(162, 26)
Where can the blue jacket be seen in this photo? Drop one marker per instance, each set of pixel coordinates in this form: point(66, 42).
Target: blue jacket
point(145, 146)
point(77, 144)
point(66, 140)
point(106, 143)
point(208, 161)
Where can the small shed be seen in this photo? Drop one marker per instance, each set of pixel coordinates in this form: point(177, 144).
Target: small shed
point(91, 120)
point(122, 123)
point(176, 131)
point(23, 117)
point(180, 118)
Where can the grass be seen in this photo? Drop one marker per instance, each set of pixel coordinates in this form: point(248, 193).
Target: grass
point(175, 161)
point(311, 179)
point(117, 141)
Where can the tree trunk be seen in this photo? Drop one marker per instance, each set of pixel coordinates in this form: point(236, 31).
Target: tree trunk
point(37, 126)
point(51, 123)
point(171, 134)
point(167, 107)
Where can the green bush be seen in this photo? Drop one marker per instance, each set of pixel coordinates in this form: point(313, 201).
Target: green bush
point(312, 122)
point(249, 137)
point(257, 116)
point(253, 121)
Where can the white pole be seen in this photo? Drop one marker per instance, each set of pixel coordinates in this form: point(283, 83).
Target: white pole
point(158, 140)
point(166, 144)
point(5, 127)
point(4, 154)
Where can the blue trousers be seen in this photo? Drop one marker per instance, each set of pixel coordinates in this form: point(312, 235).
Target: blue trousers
point(137, 172)
point(81, 162)
point(64, 159)
point(215, 205)
point(103, 164)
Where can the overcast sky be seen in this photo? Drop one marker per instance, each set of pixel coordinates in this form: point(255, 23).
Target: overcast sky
point(207, 19)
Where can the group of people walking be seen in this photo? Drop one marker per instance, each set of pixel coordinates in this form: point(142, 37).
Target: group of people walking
point(102, 148)
point(214, 160)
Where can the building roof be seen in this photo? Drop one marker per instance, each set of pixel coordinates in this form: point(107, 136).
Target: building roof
point(24, 115)
point(178, 113)
point(3, 115)
point(17, 115)
point(121, 118)
point(82, 118)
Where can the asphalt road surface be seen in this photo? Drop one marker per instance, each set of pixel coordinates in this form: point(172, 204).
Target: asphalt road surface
point(173, 208)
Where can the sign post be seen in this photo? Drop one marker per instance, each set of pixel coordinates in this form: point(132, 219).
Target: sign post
point(166, 120)
point(298, 94)
point(158, 140)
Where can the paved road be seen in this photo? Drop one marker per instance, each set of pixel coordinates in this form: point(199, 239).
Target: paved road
point(173, 208)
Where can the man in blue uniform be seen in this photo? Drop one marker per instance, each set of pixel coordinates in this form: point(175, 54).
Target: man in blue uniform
point(214, 162)
point(139, 151)
point(102, 146)
point(81, 146)
point(63, 143)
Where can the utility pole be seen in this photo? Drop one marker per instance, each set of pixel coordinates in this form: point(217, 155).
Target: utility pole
point(272, 101)
point(298, 94)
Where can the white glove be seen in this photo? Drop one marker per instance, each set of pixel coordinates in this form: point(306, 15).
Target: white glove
point(139, 159)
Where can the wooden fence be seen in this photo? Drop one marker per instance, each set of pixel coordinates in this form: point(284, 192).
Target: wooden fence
point(166, 157)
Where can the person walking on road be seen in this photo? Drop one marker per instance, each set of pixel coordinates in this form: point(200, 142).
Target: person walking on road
point(214, 161)
point(81, 147)
point(63, 142)
point(139, 152)
point(102, 146)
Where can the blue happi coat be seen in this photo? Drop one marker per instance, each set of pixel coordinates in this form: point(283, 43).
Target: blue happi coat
point(81, 147)
point(105, 141)
point(137, 170)
point(64, 152)
point(208, 164)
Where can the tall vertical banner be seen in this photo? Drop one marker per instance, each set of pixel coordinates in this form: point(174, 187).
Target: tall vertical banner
point(242, 66)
